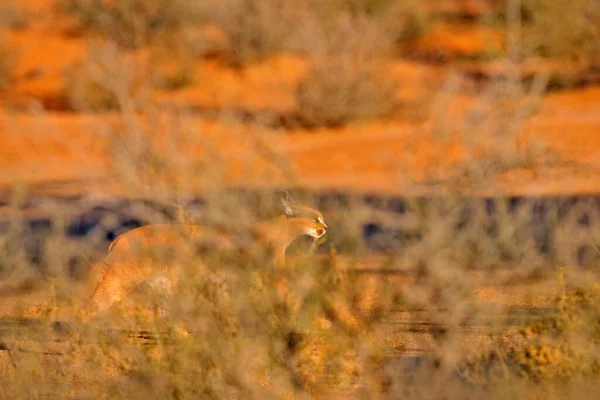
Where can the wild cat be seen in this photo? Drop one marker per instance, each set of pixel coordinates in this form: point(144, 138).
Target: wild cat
point(142, 254)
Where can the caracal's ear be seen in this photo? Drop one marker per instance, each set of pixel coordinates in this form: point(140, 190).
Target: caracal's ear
point(289, 204)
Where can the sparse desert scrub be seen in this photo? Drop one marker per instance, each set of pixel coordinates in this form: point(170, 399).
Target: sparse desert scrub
point(84, 92)
point(130, 23)
point(12, 16)
point(334, 321)
point(491, 134)
point(172, 33)
point(236, 327)
point(255, 29)
point(7, 60)
point(242, 336)
point(173, 65)
point(335, 93)
point(247, 30)
point(107, 79)
point(344, 81)
point(553, 29)
point(386, 306)
point(494, 129)
point(553, 349)
point(347, 44)
point(562, 29)
point(400, 20)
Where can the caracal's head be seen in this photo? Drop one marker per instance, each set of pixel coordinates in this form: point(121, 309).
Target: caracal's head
point(311, 219)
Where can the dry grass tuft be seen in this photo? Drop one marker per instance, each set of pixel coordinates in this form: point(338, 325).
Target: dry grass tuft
point(562, 29)
point(553, 349)
point(12, 16)
point(255, 29)
point(344, 81)
point(107, 79)
point(390, 302)
point(401, 20)
point(7, 63)
point(130, 23)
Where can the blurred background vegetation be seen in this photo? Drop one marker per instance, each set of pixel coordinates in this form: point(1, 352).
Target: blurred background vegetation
point(450, 145)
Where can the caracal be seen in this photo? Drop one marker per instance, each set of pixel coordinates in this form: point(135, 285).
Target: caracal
point(147, 253)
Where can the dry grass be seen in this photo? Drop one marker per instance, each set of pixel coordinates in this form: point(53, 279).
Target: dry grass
point(169, 31)
point(255, 29)
point(579, 23)
point(400, 20)
point(390, 314)
point(12, 16)
point(554, 350)
point(107, 79)
point(230, 333)
point(344, 81)
point(348, 44)
point(556, 29)
point(173, 65)
point(130, 23)
point(334, 94)
point(7, 61)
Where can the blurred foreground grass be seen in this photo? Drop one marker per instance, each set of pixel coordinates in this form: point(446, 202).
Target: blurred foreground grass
point(450, 297)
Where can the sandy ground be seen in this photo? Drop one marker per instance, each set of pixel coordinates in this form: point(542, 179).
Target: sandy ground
point(52, 149)
point(498, 304)
point(402, 154)
point(410, 335)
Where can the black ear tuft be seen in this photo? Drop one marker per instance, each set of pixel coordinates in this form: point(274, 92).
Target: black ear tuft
point(289, 211)
point(287, 201)
point(285, 195)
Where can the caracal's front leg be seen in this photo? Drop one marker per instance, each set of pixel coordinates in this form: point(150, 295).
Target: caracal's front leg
point(116, 282)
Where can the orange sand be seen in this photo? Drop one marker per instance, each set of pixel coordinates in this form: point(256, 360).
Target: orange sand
point(384, 155)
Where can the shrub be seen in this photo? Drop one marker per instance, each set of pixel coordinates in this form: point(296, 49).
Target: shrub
point(130, 23)
point(344, 82)
point(12, 16)
point(562, 28)
point(171, 31)
point(401, 20)
point(173, 64)
point(255, 29)
point(7, 61)
point(555, 348)
point(105, 79)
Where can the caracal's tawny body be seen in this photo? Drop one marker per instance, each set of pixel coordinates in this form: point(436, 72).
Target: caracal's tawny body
point(147, 253)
